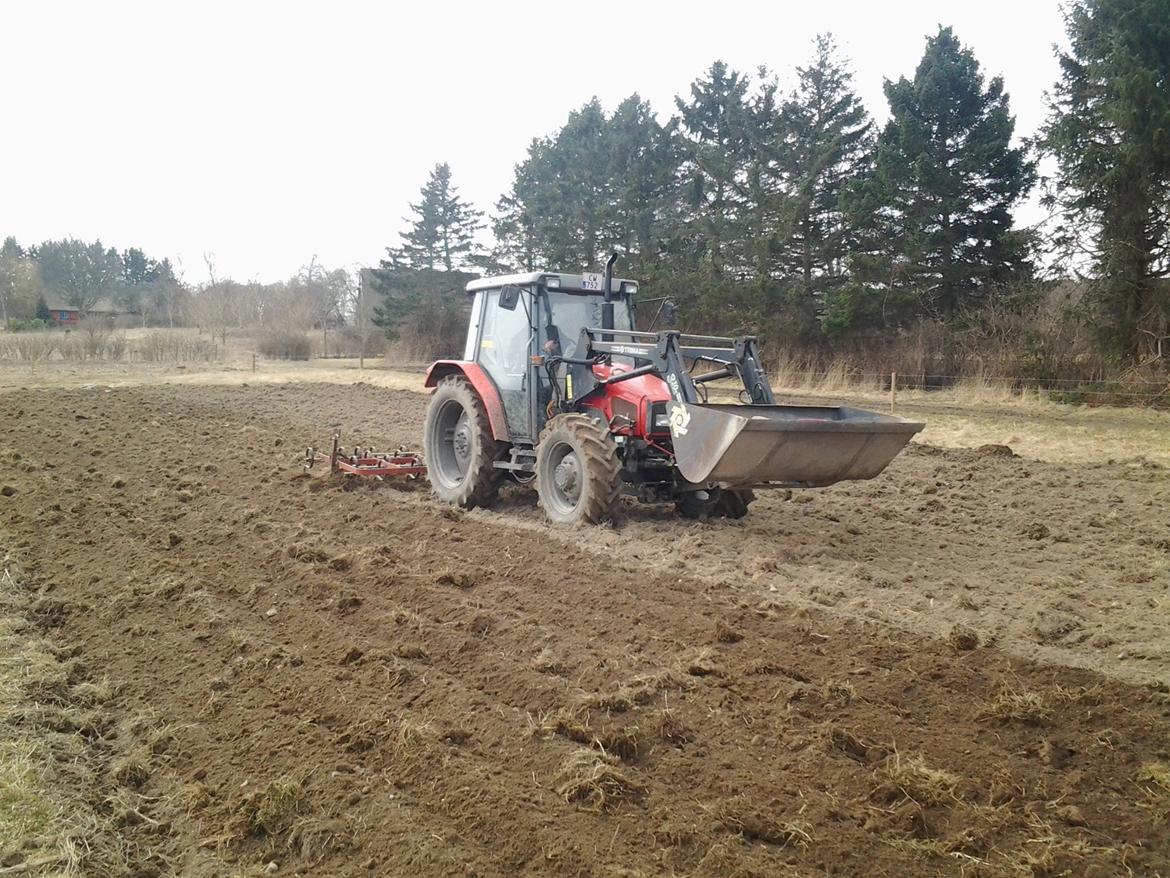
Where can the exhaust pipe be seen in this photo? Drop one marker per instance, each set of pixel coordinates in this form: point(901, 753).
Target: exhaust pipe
point(607, 308)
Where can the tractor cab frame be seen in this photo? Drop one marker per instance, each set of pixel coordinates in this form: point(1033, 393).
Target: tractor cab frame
point(519, 322)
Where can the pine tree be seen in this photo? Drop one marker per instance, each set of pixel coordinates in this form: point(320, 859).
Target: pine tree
point(1109, 129)
point(594, 187)
point(515, 224)
point(764, 201)
point(936, 208)
point(714, 134)
point(442, 231)
point(574, 206)
point(641, 171)
point(827, 147)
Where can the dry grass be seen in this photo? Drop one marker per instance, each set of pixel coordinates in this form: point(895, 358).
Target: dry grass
point(914, 779)
point(130, 771)
point(578, 725)
point(595, 781)
point(549, 661)
point(1047, 852)
point(1021, 705)
point(312, 837)
point(411, 739)
point(668, 727)
point(644, 688)
point(1158, 774)
point(746, 818)
point(47, 815)
point(277, 805)
point(92, 694)
point(267, 813)
point(196, 796)
point(839, 693)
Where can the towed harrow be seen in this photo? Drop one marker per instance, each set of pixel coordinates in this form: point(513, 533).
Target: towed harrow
point(367, 461)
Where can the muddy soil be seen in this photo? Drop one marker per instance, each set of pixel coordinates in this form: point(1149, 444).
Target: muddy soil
point(344, 678)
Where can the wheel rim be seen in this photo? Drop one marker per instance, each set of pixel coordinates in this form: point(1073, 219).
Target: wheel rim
point(567, 483)
point(454, 442)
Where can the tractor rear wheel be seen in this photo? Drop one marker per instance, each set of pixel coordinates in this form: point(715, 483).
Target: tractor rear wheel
point(458, 446)
point(714, 503)
point(578, 474)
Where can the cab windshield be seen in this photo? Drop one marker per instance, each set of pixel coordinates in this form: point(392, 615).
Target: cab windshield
point(572, 312)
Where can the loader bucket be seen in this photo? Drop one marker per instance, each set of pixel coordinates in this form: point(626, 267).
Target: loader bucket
point(738, 446)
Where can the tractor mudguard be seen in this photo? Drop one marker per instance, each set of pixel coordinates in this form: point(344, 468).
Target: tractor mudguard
point(484, 387)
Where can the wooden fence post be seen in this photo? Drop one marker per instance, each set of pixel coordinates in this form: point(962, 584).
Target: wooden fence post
point(893, 391)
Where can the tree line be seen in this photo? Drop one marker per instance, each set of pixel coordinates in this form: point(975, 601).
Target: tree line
point(107, 286)
point(791, 214)
point(81, 276)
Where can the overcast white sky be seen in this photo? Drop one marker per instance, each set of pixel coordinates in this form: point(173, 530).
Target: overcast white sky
point(266, 133)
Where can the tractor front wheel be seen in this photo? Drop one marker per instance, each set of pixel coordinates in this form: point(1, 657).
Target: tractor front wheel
point(459, 447)
point(578, 474)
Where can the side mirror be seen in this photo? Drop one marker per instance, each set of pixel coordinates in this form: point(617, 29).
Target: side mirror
point(670, 313)
point(509, 297)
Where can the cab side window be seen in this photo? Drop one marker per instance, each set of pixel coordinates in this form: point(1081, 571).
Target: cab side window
point(504, 340)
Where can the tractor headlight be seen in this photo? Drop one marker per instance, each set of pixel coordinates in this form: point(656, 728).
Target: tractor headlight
point(659, 418)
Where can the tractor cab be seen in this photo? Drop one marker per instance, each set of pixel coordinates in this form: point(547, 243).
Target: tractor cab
point(518, 321)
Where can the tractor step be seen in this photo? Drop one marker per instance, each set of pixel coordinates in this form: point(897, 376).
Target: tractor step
point(367, 461)
point(522, 460)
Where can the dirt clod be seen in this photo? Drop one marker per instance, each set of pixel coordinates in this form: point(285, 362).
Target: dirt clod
point(727, 633)
point(963, 638)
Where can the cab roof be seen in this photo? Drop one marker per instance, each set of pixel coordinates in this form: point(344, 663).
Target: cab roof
point(570, 282)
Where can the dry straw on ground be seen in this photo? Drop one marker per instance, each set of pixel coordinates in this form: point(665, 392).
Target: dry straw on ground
point(595, 781)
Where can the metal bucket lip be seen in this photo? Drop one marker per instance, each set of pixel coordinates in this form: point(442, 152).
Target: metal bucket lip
point(852, 420)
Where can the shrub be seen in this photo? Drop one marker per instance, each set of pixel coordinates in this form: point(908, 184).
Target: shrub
point(175, 347)
point(286, 345)
point(28, 347)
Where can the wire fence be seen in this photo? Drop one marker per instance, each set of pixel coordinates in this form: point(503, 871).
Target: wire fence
point(1135, 391)
point(1130, 392)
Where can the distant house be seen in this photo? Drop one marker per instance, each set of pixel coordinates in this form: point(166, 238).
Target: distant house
point(65, 314)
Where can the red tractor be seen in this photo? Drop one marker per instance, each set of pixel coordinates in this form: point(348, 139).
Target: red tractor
point(556, 387)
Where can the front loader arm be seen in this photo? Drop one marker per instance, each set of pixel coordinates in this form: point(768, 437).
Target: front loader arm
point(665, 353)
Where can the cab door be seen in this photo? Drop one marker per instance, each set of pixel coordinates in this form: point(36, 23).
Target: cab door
point(504, 350)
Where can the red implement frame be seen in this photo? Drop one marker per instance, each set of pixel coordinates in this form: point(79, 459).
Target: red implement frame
point(367, 461)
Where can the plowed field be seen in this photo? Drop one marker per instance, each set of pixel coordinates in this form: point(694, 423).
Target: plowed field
point(958, 668)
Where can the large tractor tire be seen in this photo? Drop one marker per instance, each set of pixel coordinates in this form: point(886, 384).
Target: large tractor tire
point(578, 474)
point(459, 447)
point(716, 503)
